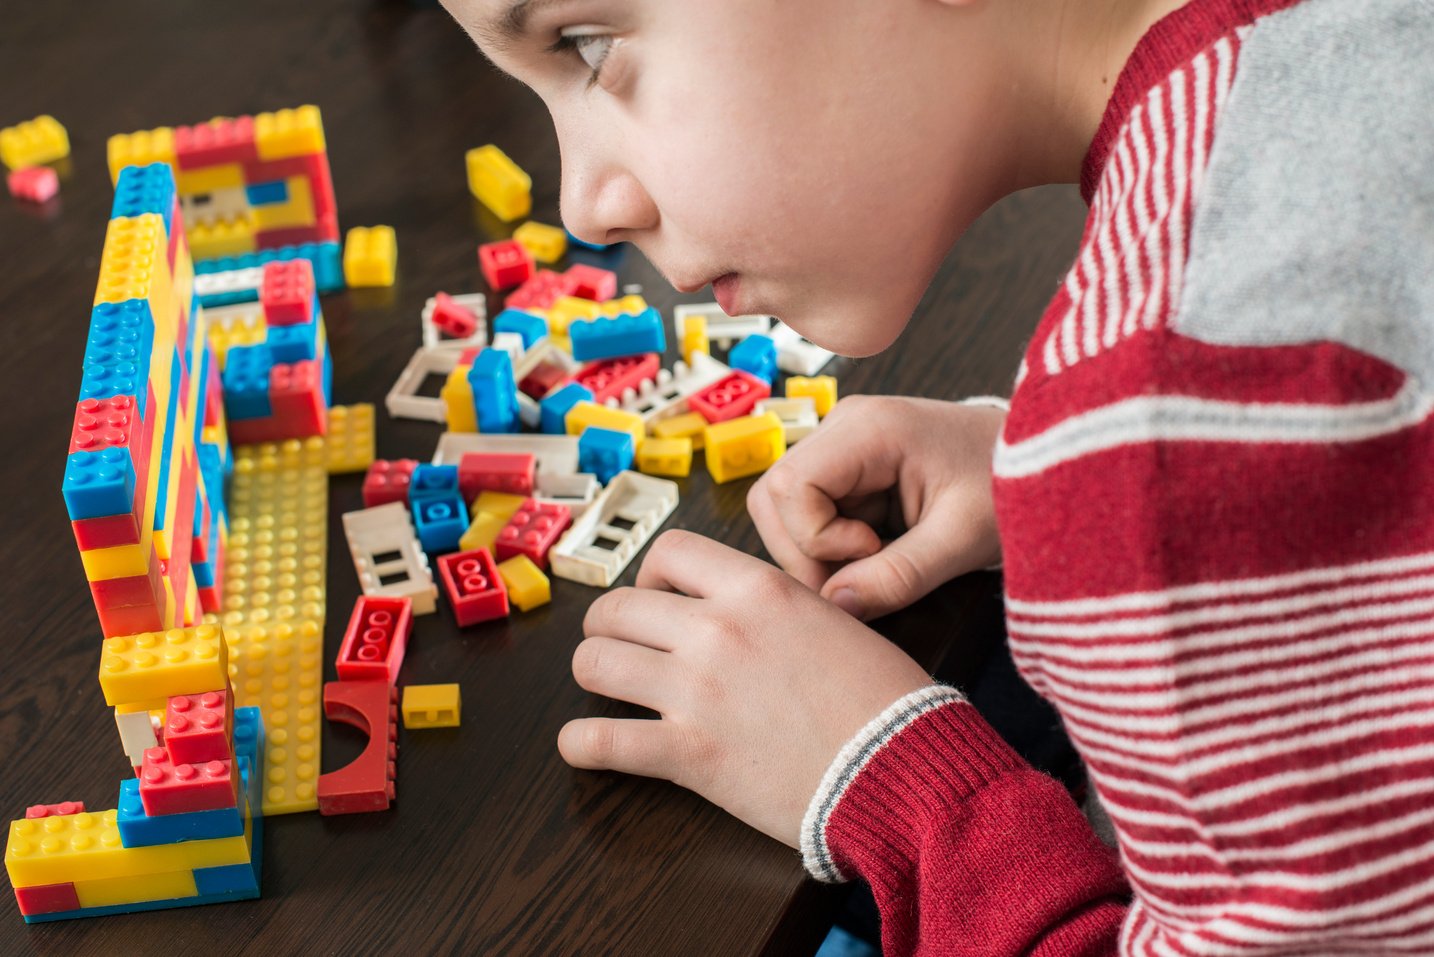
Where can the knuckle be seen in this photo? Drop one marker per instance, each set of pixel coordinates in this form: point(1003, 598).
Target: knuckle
point(598, 741)
point(605, 610)
point(587, 661)
point(667, 545)
point(898, 579)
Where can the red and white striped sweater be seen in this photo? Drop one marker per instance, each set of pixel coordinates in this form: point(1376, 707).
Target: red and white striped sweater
point(1215, 491)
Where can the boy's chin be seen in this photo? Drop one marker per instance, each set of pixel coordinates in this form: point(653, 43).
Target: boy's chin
point(853, 336)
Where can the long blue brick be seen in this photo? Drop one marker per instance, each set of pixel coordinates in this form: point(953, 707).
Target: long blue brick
point(145, 189)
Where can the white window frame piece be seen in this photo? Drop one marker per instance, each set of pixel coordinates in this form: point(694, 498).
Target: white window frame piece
point(643, 500)
point(375, 532)
point(798, 415)
point(576, 491)
point(557, 454)
point(435, 338)
point(403, 400)
point(721, 328)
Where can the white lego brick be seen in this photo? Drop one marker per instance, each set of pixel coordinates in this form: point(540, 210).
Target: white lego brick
point(799, 415)
point(795, 355)
point(721, 328)
point(136, 731)
point(668, 395)
point(249, 314)
point(529, 412)
point(557, 454)
point(576, 491)
point(229, 281)
point(543, 351)
point(404, 402)
point(388, 558)
point(435, 338)
point(641, 500)
point(511, 343)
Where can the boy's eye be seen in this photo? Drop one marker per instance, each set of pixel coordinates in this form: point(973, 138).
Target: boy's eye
point(591, 45)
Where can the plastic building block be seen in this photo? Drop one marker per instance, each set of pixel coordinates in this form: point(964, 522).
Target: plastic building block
point(140, 148)
point(99, 483)
point(387, 556)
point(460, 310)
point(246, 382)
point(744, 446)
point(688, 425)
point(197, 728)
point(34, 184)
point(505, 264)
point(452, 319)
point(629, 305)
point(722, 328)
point(731, 397)
point(457, 397)
point(506, 472)
point(432, 481)
point(532, 531)
point(821, 389)
point(169, 787)
point(104, 424)
point(475, 590)
point(546, 244)
point(611, 336)
point(375, 640)
point(404, 400)
point(367, 783)
point(287, 292)
point(576, 491)
point(156, 665)
point(483, 529)
point(46, 898)
point(757, 355)
point(498, 183)
point(590, 282)
point(586, 415)
point(432, 706)
point(495, 391)
point(694, 338)
point(387, 481)
point(503, 504)
point(557, 454)
point(286, 133)
point(596, 550)
point(604, 452)
point(220, 140)
point(527, 586)
point(796, 355)
point(567, 310)
point(37, 811)
point(613, 379)
point(370, 256)
point(531, 327)
point(250, 745)
point(349, 441)
point(541, 291)
point(799, 416)
point(556, 406)
point(140, 829)
point(584, 244)
point(41, 140)
point(544, 378)
point(146, 189)
point(440, 522)
point(665, 457)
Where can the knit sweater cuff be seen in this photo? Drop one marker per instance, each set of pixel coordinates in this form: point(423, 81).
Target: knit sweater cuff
point(933, 744)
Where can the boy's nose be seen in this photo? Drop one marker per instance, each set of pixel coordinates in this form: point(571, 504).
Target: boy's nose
point(603, 202)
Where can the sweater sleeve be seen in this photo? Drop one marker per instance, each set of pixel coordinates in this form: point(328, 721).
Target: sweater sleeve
point(968, 850)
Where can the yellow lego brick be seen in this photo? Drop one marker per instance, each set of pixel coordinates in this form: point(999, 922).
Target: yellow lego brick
point(501, 504)
point(584, 415)
point(287, 133)
point(457, 396)
point(822, 389)
point(741, 447)
point(527, 586)
point(629, 305)
point(498, 183)
point(482, 531)
point(117, 561)
point(244, 330)
point(140, 149)
point(86, 846)
point(41, 140)
point(370, 256)
point(689, 425)
point(665, 457)
point(563, 311)
point(109, 891)
point(279, 668)
point(297, 210)
point(209, 179)
point(432, 706)
point(158, 664)
point(135, 265)
point(222, 237)
point(350, 441)
point(562, 342)
point(546, 243)
point(694, 338)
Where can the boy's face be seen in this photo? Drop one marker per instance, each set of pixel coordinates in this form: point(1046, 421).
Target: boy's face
point(815, 159)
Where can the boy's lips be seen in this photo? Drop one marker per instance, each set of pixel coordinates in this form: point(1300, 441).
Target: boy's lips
point(725, 289)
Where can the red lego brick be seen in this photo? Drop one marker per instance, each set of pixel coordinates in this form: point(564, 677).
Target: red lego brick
point(508, 472)
point(287, 292)
point(367, 783)
point(466, 357)
point(475, 589)
point(199, 728)
point(35, 184)
point(178, 565)
point(730, 397)
point(211, 602)
point(169, 788)
point(533, 530)
point(544, 378)
point(324, 229)
point(129, 619)
point(296, 396)
point(218, 141)
point(53, 810)
point(47, 898)
point(453, 319)
point(376, 639)
point(590, 282)
point(610, 378)
point(540, 292)
point(106, 531)
point(387, 481)
point(505, 264)
point(314, 167)
point(105, 424)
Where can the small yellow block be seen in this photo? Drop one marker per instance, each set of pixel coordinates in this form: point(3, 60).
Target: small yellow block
point(741, 447)
point(209, 179)
point(41, 140)
point(694, 338)
point(117, 561)
point(140, 149)
point(457, 396)
point(370, 256)
point(622, 306)
point(432, 706)
point(502, 504)
point(822, 390)
point(350, 441)
point(287, 133)
point(498, 183)
point(110, 891)
point(546, 243)
point(585, 415)
point(482, 531)
point(160, 664)
point(688, 425)
point(564, 311)
point(665, 457)
point(527, 586)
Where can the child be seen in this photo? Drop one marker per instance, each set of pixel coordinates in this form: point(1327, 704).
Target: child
point(1212, 490)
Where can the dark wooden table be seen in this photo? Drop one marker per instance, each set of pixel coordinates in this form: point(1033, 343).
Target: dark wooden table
point(495, 845)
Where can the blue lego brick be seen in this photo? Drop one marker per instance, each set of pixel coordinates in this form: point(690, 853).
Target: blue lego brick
point(615, 336)
point(440, 522)
point(432, 481)
point(117, 352)
point(225, 879)
point(231, 297)
point(326, 257)
point(293, 343)
point(203, 574)
point(246, 382)
point(584, 244)
point(166, 455)
point(756, 354)
point(495, 393)
point(99, 483)
point(145, 189)
point(328, 379)
point(211, 464)
point(249, 749)
point(604, 452)
point(264, 194)
point(201, 407)
point(554, 408)
point(138, 829)
point(530, 327)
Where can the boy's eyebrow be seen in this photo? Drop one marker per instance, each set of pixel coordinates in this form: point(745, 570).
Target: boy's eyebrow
point(509, 26)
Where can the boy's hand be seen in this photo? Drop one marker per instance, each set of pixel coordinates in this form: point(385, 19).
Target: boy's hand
point(921, 464)
point(759, 682)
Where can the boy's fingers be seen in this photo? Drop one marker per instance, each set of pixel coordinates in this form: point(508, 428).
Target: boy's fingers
point(779, 544)
point(806, 485)
point(648, 617)
point(631, 745)
point(623, 670)
point(691, 564)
